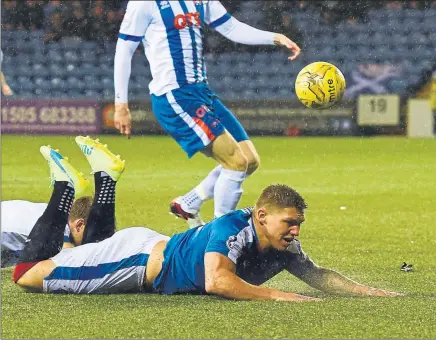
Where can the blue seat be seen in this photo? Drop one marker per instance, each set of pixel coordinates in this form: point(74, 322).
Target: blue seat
point(57, 70)
point(57, 94)
point(22, 59)
point(88, 56)
point(28, 86)
point(71, 56)
point(42, 93)
point(89, 46)
point(43, 84)
point(39, 58)
point(55, 56)
point(36, 35)
point(110, 46)
point(40, 70)
point(95, 85)
point(89, 67)
point(108, 93)
point(55, 47)
point(417, 38)
point(19, 35)
point(58, 83)
point(73, 94)
point(398, 86)
point(415, 14)
point(24, 94)
point(107, 82)
point(74, 83)
point(92, 94)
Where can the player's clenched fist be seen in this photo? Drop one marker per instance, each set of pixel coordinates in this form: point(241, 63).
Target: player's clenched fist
point(123, 119)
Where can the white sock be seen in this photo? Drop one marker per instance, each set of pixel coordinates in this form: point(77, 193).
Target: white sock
point(192, 201)
point(228, 191)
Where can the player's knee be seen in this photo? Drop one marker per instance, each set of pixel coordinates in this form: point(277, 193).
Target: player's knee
point(253, 163)
point(238, 162)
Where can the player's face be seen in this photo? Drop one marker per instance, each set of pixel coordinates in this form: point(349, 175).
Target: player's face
point(282, 226)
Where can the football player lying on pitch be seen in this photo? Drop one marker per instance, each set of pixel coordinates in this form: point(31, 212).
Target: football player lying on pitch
point(18, 218)
point(230, 256)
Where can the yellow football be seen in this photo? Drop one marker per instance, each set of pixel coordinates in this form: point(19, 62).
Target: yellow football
point(320, 85)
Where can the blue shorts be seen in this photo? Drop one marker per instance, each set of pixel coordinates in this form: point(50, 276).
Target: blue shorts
point(194, 116)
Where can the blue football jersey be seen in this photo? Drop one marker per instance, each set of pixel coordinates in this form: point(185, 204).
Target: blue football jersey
point(232, 235)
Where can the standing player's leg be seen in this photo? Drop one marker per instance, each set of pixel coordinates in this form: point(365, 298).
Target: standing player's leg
point(189, 116)
point(107, 169)
point(47, 236)
point(193, 200)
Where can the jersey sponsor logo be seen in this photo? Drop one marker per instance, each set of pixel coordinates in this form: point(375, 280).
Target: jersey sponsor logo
point(201, 111)
point(233, 244)
point(215, 123)
point(182, 21)
point(164, 4)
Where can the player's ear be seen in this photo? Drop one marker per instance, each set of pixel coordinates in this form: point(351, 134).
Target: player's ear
point(80, 225)
point(261, 215)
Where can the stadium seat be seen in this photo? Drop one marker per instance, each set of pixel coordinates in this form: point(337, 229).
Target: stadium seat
point(55, 55)
point(56, 94)
point(36, 35)
point(57, 70)
point(18, 35)
point(89, 46)
point(415, 14)
point(88, 68)
point(58, 83)
point(398, 86)
point(43, 84)
point(108, 93)
point(92, 94)
point(22, 59)
point(75, 94)
point(39, 58)
point(74, 83)
point(55, 47)
point(40, 70)
point(107, 82)
point(23, 94)
point(88, 56)
point(71, 56)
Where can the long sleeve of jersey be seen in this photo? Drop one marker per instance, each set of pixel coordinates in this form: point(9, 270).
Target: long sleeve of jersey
point(122, 68)
point(234, 30)
point(239, 32)
point(132, 31)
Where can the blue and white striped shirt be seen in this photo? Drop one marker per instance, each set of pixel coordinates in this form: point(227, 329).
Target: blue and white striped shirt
point(172, 33)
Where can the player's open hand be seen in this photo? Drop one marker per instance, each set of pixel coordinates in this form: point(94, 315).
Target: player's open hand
point(282, 40)
point(292, 297)
point(123, 119)
point(382, 292)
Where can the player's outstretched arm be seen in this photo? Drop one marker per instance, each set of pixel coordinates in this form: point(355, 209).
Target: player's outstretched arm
point(220, 279)
point(330, 281)
point(239, 32)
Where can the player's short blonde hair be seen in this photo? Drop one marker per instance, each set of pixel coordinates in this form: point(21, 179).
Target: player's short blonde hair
point(280, 196)
point(81, 208)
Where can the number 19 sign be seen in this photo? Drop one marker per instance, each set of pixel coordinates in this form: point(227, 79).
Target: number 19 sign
point(381, 110)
